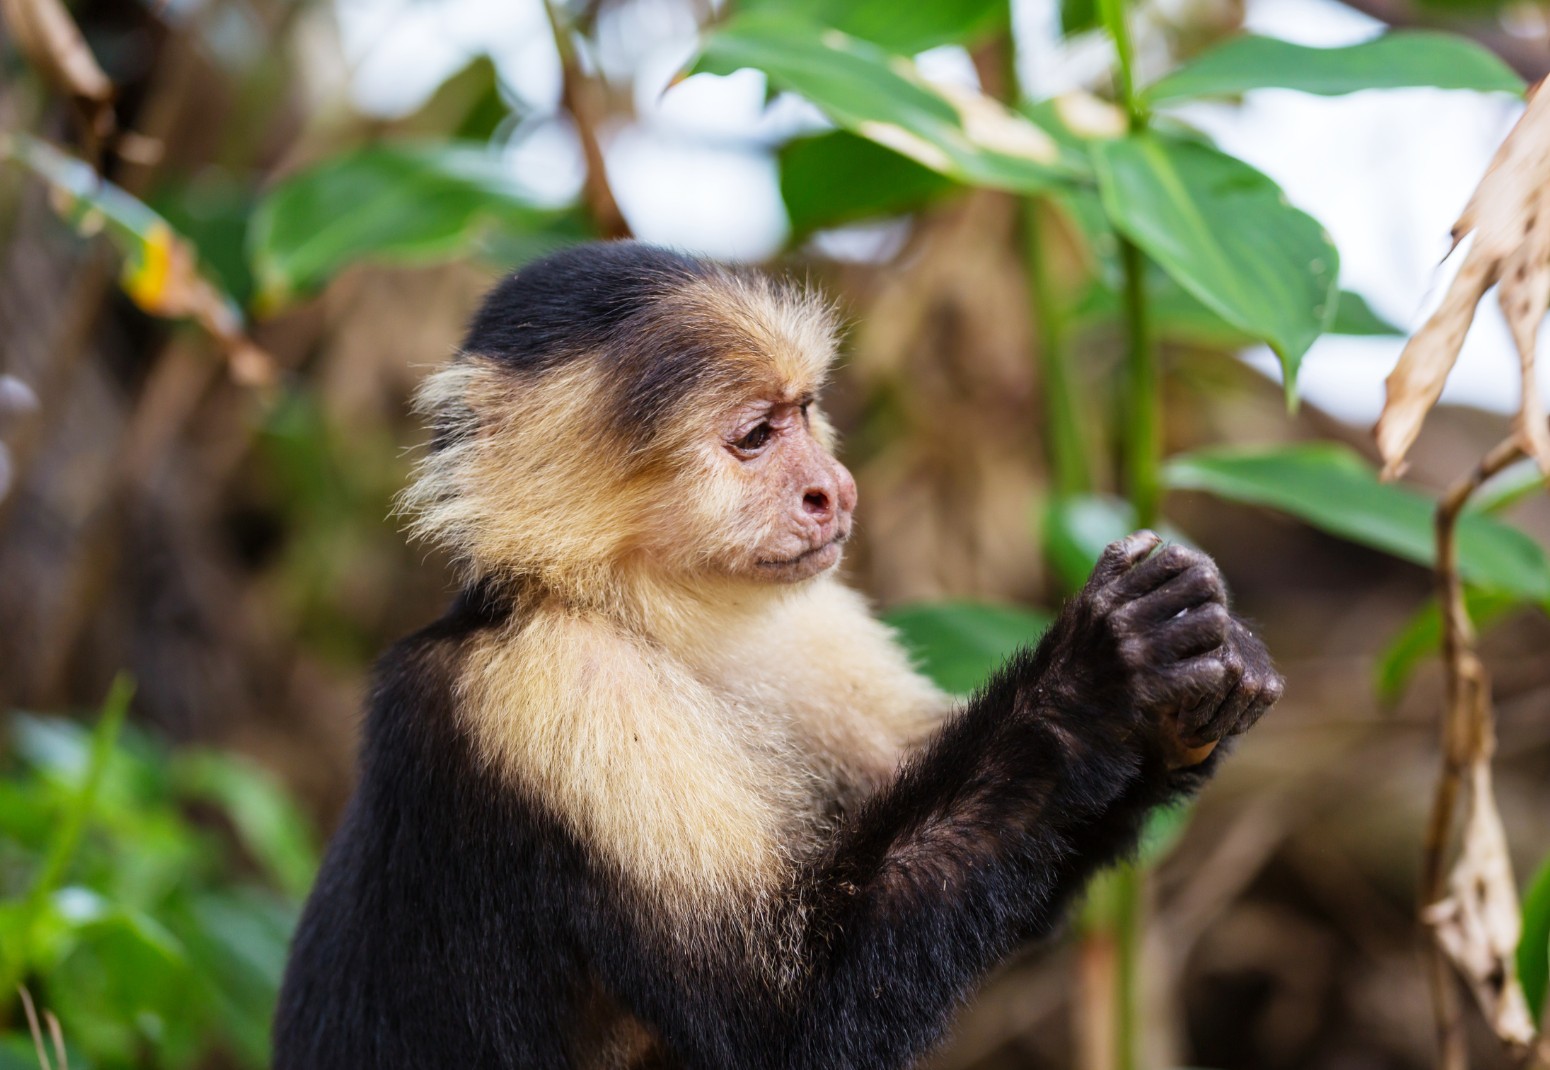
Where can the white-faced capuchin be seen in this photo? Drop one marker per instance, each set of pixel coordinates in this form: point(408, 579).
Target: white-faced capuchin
point(658, 790)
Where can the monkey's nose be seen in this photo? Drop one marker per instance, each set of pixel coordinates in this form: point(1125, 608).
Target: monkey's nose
point(818, 504)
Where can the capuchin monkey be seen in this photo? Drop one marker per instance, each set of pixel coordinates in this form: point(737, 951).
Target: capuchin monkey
point(658, 790)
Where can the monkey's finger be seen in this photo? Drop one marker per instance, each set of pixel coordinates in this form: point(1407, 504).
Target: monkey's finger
point(1159, 569)
point(1267, 692)
point(1236, 700)
point(1186, 685)
point(1121, 556)
point(1194, 631)
point(1197, 585)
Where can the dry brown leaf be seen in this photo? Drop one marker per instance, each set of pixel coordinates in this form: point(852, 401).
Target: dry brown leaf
point(1478, 925)
point(1509, 215)
point(48, 36)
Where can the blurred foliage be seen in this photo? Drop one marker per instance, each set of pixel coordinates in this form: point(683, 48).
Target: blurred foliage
point(397, 202)
point(146, 895)
point(959, 644)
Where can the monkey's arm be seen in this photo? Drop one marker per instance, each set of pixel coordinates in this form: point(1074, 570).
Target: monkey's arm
point(1044, 776)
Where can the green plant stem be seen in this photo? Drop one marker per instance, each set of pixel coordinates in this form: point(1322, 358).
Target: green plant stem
point(1114, 20)
point(62, 848)
point(1141, 460)
point(1141, 431)
point(1129, 898)
point(1070, 465)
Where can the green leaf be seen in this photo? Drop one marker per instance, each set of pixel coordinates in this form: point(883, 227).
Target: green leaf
point(270, 825)
point(1225, 232)
point(398, 202)
point(1334, 490)
point(883, 98)
point(1517, 482)
point(903, 28)
point(1395, 60)
point(1175, 315)
point(237, 941)
point(1077, 528)
point(211, 209)
point(468, 106)
point(1534, 947)
point(838, 178)
point(1421, 638)
point(1078, 16)
point(1354, 316)
point(959, 644)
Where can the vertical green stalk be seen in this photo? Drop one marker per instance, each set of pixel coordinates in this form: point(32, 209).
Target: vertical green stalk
point(1064, 440)
point(1142, 426)
point(1141, 465)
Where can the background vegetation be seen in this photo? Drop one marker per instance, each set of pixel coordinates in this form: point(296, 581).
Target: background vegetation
point(218, 284)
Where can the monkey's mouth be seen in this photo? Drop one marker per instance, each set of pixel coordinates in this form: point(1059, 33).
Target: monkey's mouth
point(809, 562)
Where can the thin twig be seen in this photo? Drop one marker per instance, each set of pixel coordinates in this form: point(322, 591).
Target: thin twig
point(1468, 734)
point(33, 1026)
point(57, 1035)
point(581, 96)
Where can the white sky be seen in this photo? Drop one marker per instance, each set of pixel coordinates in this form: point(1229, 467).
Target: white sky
point(1386, 172)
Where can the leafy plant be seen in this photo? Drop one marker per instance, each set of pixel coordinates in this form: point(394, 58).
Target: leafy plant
point(148, 894)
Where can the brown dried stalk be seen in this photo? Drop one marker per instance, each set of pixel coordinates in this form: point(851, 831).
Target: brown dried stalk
point(583, 98)
point(1472, 910)
point(51, 41)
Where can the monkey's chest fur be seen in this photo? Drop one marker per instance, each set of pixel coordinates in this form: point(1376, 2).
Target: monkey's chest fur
point(511, 843)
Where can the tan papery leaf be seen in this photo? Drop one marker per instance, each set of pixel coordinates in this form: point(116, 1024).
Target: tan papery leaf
point(1509, 215)
point(1478, 925)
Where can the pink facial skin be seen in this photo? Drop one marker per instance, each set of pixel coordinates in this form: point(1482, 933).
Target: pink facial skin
point(809, 496)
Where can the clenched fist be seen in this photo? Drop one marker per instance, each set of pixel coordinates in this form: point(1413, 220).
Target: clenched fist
point(1150, 637)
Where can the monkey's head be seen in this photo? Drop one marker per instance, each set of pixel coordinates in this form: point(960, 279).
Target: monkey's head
point(618, 409)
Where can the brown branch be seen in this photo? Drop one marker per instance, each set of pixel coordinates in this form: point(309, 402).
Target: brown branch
point(1468, 738)
point(582, 97)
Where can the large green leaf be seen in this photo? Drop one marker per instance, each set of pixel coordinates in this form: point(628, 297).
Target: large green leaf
point(1333, 489)
point(1225, 232)
point(399, 202)
point(905, 28)
point(1176, 315)
point(959, 644)
point(883, 97)
point(839, 178)
point(1534, 947)
point(1393, 61)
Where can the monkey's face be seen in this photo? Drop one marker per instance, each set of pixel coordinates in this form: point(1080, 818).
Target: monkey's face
point(785, 502)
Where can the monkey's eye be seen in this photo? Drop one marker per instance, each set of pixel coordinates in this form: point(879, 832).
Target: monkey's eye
point(754, 440)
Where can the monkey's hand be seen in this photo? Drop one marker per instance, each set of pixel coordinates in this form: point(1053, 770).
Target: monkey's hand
point(1150, 639)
